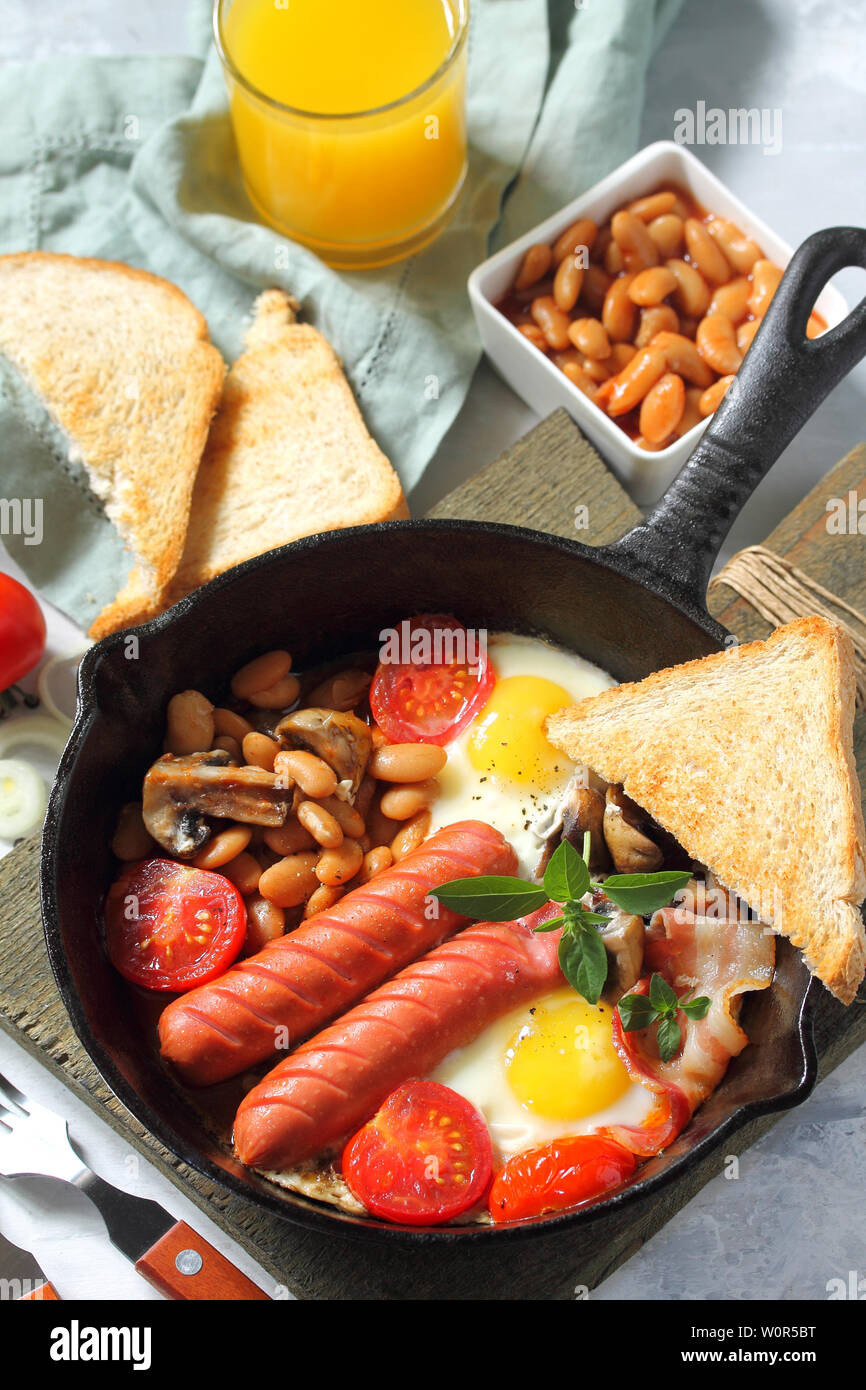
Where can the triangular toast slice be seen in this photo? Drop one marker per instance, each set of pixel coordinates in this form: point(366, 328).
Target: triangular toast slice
point(746, 757)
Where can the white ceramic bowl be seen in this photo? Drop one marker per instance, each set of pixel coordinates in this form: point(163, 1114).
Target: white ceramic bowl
point(539, 382)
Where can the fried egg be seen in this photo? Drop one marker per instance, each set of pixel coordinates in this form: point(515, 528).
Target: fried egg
point(502, 769)
point(546, 1071)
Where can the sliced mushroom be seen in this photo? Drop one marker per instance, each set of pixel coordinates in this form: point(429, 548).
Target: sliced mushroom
point(632, 851)
point(581, 810)
point(624, 942)
point(179, 793)
point(342, 740)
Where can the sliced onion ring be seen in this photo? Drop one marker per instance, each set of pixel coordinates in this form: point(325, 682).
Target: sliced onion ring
point(23, 798)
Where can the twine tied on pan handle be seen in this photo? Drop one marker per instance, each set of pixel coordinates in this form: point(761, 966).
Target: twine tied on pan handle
point(780, 593)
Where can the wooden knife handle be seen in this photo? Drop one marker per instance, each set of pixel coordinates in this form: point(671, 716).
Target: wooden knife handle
point(183, 1265)
point(44, 1291)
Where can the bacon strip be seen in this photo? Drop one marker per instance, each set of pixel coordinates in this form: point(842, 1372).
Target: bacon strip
point(720, 959)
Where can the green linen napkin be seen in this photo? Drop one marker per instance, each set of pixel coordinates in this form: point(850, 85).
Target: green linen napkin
point(133, 159)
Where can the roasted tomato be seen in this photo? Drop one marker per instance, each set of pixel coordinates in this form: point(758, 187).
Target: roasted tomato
point(425, 1157)
point(563, 1174)
point(169, 926)
point(432, 679)
point(22, 631)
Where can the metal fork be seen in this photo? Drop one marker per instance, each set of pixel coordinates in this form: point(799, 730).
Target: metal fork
point(34, 1142)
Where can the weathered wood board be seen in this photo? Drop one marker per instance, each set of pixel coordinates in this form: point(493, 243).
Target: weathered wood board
point(540, 482)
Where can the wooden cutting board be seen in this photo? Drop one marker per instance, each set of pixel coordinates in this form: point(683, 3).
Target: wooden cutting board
point(545, 481)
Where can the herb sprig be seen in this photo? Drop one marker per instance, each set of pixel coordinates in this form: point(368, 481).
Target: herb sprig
point(582, 956)
point(660, 1006)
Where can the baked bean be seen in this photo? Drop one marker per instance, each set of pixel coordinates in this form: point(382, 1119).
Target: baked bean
point(231, 746)
point(631, 235)
point(342, 692)
point(661, 318)
point(740, 251)
point(688, 326)
point(691, 415)
point(375, 861)
point(278, 696)
point(621, 354)
point(131, 838)
point(552, 321)
point(525, 297)
point(408, 762)
point(655, 205)
point(534, 266)
point(337, 866)
point(716, 341)
point(567, 283)
point(189, 724)
point(623, 392)
point(581, 233)
point(290, 881)
point(312, 774)
point(260, 751)
point(225, 721)
point(244, 871)
point(649, 446)
point(667, 233)
point(745, 334)
point(682, 357)
point(732, 299)
point(765, 282)
point(535, 335)
point(323, 827)
point(619, 314)
point(651, 286)
point(265, 922)
point(596, 283)
point(580, 377)
point(223, 847)
point(706, 254)
point(349, 819)
point(590, 337)
point(412, 834)
point(692, 295)
point(594, 368)
point(614, 259)
point(662, 408)
point(598, 250)
point(403, 802)
point(290, 838)
point(261, 674)
point(323, 899)
point(714, 395)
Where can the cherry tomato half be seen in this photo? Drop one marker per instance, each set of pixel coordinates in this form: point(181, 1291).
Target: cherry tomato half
point(22, 631)
point(563, 1174)
point(433, 679)
point(170, 927)
point(425, 1157)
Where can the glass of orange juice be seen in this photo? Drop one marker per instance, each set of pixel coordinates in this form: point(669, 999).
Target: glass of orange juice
point(349, 118)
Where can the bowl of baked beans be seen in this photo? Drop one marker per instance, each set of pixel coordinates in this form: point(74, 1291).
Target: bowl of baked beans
point(634, 307)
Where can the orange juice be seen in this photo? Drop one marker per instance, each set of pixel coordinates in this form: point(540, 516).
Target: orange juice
point(349, 117)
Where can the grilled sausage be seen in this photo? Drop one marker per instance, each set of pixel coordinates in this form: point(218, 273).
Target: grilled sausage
point(296, 984)
point(331, 1085)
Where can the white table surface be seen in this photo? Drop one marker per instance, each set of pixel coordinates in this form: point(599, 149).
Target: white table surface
point(793, 1219)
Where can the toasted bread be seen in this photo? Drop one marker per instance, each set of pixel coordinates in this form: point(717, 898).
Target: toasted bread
point(288, 453)
point(746, 757)
point(122, 363)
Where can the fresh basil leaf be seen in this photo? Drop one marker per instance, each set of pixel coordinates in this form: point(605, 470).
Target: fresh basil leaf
point(594, 918)
point(669, 1038)
point(583, 961)
point(696, 1008)
point(566, 877)
point(551, 925)
point(491, 898)
point(662, 997)
point(644, 893)
point(635, 1011)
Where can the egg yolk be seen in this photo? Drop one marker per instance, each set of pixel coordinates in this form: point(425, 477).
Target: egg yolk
point(562, 1063)
point(507, 739)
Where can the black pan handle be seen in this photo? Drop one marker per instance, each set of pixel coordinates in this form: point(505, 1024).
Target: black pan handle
point(782, 381)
